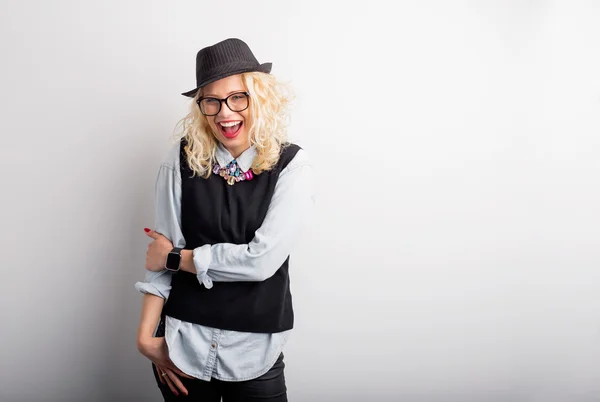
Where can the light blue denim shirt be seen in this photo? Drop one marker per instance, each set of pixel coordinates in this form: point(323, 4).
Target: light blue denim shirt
point(205, 352)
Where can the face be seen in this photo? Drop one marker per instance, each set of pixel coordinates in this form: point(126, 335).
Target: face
point(230, 127)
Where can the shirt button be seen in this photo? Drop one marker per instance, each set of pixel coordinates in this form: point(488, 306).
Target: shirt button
point(214, 345)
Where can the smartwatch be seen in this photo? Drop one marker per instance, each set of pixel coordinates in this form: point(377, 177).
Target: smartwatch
point(173, 259)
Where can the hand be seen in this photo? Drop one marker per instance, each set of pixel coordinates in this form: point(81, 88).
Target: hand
point(158, 249)
point(156, 350)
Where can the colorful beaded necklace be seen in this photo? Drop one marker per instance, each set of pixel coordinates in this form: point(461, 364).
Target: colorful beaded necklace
point(232, 172)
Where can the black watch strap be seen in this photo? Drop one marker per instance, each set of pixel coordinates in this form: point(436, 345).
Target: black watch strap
point(173, 259)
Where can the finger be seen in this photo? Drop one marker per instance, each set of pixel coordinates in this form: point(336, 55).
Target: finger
point(151, 233)
point(180, 373)
point(163, 373)
point(159, 372)
point(171, 385)
point(173, 377)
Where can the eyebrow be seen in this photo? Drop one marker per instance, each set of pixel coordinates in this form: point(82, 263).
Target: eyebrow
point(215, 96)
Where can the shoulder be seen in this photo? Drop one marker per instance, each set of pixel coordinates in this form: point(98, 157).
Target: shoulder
point(172, 155)
point(300, 158)
point(296, 178)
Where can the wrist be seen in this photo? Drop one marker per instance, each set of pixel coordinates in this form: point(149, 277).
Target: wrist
point(173, 259)
point(142, 342)
point(187, 261)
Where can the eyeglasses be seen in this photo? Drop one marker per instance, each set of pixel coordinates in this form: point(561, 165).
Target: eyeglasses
point(236, 102)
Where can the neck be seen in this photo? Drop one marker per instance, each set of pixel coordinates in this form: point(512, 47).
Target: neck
point(237, 151)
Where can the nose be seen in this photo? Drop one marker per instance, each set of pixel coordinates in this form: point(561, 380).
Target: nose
point(225, 111)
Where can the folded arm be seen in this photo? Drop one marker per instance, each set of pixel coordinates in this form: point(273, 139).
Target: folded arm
point(288, 212)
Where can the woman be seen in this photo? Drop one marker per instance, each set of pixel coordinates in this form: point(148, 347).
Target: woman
point(231, 199)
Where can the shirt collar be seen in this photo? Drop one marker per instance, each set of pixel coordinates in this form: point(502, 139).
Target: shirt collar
point(244, 161)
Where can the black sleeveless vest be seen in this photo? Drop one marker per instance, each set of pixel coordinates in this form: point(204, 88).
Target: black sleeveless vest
point(213, 212)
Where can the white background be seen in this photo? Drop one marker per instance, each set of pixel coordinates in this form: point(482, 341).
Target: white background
point(454, 253)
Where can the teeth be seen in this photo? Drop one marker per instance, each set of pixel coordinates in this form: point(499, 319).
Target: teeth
point(230, 124)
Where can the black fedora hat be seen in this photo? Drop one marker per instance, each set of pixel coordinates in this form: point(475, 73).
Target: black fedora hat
point(228, 57)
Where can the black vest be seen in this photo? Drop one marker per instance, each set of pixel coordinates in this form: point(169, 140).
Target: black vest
point(213, 212)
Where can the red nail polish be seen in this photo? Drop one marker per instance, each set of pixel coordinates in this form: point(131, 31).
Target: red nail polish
point(146, 230)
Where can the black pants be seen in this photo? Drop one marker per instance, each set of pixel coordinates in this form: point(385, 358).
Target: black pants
point(270, 387)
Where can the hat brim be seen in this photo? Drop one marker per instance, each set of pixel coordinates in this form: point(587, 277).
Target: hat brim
point(262, 68)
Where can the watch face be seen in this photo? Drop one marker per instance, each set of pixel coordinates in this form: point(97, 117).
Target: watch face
point(173, 260)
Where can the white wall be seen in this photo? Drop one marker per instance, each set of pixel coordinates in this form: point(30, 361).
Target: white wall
point(455, 252)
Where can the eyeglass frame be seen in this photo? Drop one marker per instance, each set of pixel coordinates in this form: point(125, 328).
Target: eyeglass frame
point(200, 99)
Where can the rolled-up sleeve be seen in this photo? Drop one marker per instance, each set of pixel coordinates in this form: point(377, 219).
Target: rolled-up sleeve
point(156, 283)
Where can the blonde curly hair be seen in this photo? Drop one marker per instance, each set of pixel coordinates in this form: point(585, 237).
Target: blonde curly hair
point(270, 100)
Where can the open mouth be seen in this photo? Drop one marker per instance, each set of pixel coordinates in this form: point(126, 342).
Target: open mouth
point(230, 129)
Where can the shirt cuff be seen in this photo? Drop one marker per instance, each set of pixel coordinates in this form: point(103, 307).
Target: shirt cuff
point(153, 289)
point(156, 283)
point(202, 258)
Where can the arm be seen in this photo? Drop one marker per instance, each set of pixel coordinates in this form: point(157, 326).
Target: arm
point(151, 309)
point(167, 221)
point(258, 260)
point(155, 348)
